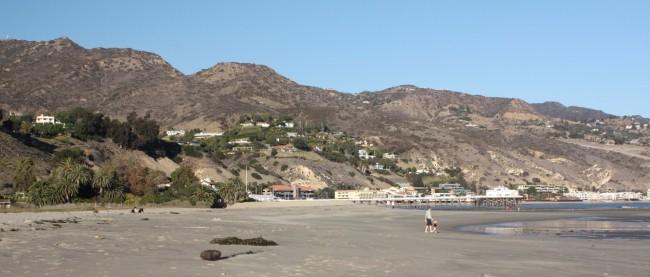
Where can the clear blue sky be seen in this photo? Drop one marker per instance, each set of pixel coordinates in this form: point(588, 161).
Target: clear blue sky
point(581, 52)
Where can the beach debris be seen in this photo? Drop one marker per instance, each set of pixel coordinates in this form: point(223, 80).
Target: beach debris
point(174, 213)
point(14, 230)
point(259, 241)
point(211, 255)
point(214, 255)
point(144, 219)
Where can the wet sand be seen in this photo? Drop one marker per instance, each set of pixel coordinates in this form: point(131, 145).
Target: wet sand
point(324, 239)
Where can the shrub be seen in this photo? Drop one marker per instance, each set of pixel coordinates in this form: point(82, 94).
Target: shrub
point(74, 153)
point(256, 176)
point(192, 151)
point(284, 167)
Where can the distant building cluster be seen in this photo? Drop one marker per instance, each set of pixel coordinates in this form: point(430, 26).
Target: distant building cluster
point(604, 196)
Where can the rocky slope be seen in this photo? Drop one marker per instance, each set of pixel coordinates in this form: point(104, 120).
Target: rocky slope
point(430, 128)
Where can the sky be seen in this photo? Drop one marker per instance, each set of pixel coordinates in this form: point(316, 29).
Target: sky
point(590, 53)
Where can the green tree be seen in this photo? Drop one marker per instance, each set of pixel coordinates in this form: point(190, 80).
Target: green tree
point(301, 143)
point(184, 180)
point(69, 176)
point(204, 194)
point(325, 193)
point(24, 176)
point(42, 193)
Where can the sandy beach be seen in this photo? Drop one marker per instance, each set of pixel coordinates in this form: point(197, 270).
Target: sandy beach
point(315, 239)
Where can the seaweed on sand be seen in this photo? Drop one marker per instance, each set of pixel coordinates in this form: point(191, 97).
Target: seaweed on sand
point(259, 241)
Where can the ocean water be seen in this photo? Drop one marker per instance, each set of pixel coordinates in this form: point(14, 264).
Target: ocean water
point(634, 228)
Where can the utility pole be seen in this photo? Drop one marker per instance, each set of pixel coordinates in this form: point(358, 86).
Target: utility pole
point(246, 178)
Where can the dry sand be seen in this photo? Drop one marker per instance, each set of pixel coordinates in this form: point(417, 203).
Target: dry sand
point(324, 239)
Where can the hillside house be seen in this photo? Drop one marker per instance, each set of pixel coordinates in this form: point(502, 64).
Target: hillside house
point(292, 134)
point(287, 124)
point(46, 119)
point(364, 154)
point(262, 124)
point(377, 166)
point(241, 141)
point(175, 133)
point(389, 156)
point(285, 148)
point(247, 124)
point(453, 189)
point(204, 135)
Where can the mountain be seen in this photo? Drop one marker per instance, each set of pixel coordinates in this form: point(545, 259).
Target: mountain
point(573, 113)
point(490, 138)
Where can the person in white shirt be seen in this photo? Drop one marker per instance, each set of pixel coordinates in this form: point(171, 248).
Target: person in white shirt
point(428, 220)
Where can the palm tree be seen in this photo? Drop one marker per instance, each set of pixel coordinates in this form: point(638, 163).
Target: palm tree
point(204, 194)
point(104, 179)
point(107, 183)
point(232, 191)
point(69, 176)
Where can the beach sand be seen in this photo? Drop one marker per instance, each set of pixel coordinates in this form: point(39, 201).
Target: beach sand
point(315, 239)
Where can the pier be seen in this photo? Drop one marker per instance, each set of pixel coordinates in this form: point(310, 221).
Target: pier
point(445, 202)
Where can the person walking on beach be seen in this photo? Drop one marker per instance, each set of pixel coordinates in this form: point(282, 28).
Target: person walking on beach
point(428, 220)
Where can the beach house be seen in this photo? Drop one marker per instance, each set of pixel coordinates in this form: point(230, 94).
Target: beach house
point(501, 191)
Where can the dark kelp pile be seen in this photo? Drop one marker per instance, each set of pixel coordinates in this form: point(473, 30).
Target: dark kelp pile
point(259, 241)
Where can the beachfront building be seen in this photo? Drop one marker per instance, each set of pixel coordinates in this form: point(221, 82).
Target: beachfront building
point(583, 195)
point(621, 196)
point(290, 192)
point(359, 194)
point(541, 188)
point(501, 191)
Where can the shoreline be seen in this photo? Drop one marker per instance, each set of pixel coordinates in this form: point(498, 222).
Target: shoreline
point(324, 240)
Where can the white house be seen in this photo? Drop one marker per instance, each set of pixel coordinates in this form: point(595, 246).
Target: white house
point(292, 134)
point(583, 195)
point(389, 156)
point(541, 188)
point(247, 124)
point(240, 141)
point(203, 135)
point(377, 166)
point(263, 124)
point(287, 124)
point(501, 191)
point(364, 155)
point(46, 119)
point(175, 132)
